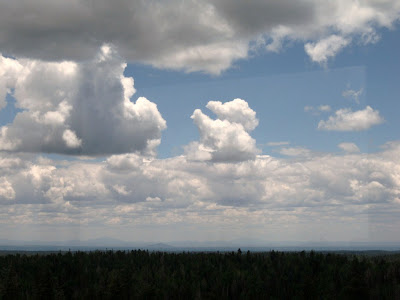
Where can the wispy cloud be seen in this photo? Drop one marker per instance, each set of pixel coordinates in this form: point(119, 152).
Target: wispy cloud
point(317, 110)
point(276, 144)
point(352, 94)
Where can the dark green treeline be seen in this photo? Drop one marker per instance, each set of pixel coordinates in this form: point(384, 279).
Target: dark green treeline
point(234, 275)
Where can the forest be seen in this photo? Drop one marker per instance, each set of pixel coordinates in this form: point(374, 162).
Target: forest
point(142, 274)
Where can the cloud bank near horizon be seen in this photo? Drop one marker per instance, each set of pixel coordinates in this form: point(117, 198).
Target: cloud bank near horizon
point(128, 190)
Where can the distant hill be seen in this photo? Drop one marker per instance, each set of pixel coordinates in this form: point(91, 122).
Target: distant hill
point(160, 246)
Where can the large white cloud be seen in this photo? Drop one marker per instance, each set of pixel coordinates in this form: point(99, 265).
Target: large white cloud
point(347, 120)
point(227, 138)
point(77, 108)
point(190, 35)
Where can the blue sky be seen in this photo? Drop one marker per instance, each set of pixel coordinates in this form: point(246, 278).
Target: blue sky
point(200, 120)
point(278, 87)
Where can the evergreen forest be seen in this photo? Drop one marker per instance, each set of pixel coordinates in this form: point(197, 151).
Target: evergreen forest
point(139, 274)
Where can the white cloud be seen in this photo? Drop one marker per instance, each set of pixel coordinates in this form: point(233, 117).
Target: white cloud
point(6, 190)
point(347, 120)
point(78, 108)
point(276, 144)
point(308, 108)
point(71, 140)
point(236, 111)
point(120, 189)
point(317, 110)
point(158, 192)
point(226, 138)
point(349, 147)
point(325, 48)
point(324, 108)
point(9, 68)
point(352, 94)
point(295, 151)
point(189, 35)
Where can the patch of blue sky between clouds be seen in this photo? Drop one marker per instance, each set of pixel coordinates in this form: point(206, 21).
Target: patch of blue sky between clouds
point(279, 102)
point(278, 87)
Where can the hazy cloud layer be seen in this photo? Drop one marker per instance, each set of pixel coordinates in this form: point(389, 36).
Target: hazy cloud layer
point(189, 35)
point(129, 189)
point(77, 108)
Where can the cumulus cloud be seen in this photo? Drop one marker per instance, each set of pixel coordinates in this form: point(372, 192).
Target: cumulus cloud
point(325, 48)
point(136, 190)
point(236, 111)
point(188, 35)
point(6, 190)
point(9, 68)
point(78, 108)
point(347, 120)
point(349, 147)
point(71, 140)
point(227, 138)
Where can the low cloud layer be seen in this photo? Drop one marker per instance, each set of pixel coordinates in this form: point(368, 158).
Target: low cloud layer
point(77, 108)
point(129, 189)
point(189, 35)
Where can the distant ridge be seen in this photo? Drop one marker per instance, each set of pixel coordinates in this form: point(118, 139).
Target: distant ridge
point(107, 243)
point(160, 246)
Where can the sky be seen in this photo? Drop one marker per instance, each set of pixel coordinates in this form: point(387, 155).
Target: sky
point(200, 120)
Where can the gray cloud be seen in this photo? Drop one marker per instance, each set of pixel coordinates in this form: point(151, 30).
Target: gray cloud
point(188, 35)
point(261, 16)
point(80, 109)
